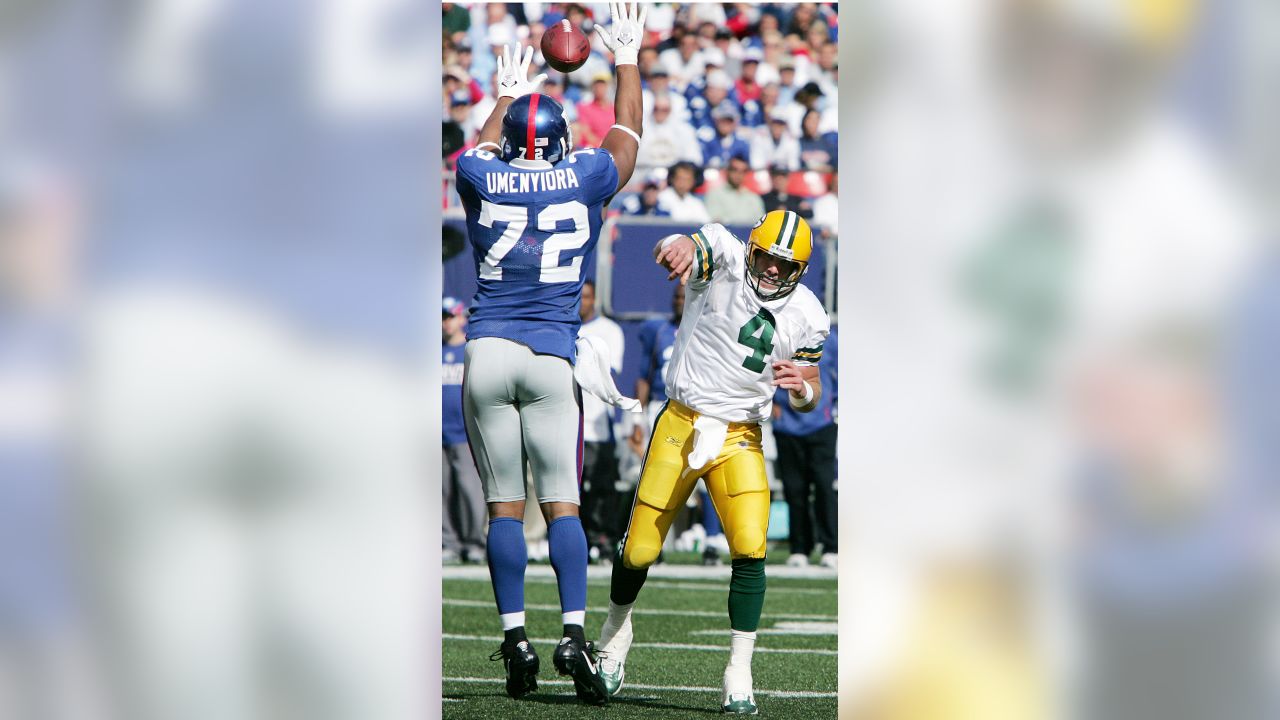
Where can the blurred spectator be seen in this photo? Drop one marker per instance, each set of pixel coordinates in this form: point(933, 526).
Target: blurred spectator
point(769, 42)
point(778, 197)
point(483, 107)
point(596, 116)
point(825, 71)
point(455, 79)
point(712, 59)
point(705, 98)
point(742, 20)
point(554, 87)
point(646, 202)
point(460, 113)
point(660, 86)
point(725, 143)
point(667, 139)
point(802, 16)
point(678, 199)
point(729, 50)
point(657, 338)
point(775, 146)
point(747, 86)
point(788, 84)
point(731, 203)
point(456, 22)
point(817, 152)
point(826, 209)
point(648, 61)
point(465, 59)
point(464, 519)
point(705, 14)
point(756, 112)
point(600, 499)
point(807, 466)
point(807, 98)
point(498, 33)
point(684, 61)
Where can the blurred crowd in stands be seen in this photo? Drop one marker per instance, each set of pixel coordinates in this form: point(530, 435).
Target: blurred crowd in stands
point(740, 102)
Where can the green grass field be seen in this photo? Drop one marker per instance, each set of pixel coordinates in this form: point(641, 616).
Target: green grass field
point(675, 667)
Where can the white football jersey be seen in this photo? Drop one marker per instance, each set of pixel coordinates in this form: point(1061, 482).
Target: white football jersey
point(722, 363)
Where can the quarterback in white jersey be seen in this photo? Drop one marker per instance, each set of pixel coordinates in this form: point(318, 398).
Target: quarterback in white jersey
point(749, 327)
point(730, 336)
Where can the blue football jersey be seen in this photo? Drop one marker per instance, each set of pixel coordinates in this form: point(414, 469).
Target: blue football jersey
point(533, 228)
point(451, 422)
point(657, 338)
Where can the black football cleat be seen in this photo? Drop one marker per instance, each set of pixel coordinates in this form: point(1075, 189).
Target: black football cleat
point(521, 664)
point(578, 660)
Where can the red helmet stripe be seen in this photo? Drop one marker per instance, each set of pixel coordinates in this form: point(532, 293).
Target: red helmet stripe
point(533, 124)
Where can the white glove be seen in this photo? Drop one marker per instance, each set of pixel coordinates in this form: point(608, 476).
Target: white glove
point(513, 73)
point(626, 33)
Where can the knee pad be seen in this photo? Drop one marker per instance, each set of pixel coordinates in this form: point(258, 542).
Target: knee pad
point(747, 541)
point(639, 555)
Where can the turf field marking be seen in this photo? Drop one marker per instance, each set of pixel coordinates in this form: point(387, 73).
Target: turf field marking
point(639, 611)
point(665, 571)
point(672, 688)
point(657, 645)
point(787, 628)
point(713, 587)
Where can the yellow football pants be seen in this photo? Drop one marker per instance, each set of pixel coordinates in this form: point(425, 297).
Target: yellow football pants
point(736, 480)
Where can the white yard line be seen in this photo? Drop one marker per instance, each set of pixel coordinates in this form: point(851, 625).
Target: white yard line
point(656, 645)
point(788, 628)
point(634, 686)
point(640, 610)
point(720, 587)
point(664, 571)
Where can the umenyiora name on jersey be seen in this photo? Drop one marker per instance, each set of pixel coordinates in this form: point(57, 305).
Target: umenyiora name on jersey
point(509, 182)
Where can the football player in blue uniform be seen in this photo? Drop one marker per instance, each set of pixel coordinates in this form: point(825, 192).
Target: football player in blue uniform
point(534, 209)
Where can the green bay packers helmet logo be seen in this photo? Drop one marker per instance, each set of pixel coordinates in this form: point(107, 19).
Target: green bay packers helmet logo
point(778, 254)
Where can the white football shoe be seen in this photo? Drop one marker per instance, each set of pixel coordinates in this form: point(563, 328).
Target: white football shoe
point(798, 560)
point(830, 560)
point(738, 698)
point(614, 645)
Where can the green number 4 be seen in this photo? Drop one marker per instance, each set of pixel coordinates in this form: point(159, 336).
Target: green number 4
point(763, 324)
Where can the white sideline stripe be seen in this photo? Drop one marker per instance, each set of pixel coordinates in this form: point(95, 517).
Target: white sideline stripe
point(665, 571)
point(635, 686)
point(717, 587)
point(639, 610)
point(787, 628)
point(659, 646)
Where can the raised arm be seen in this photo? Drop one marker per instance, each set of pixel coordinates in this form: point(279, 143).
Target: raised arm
point(623, 39)
point(513, 82)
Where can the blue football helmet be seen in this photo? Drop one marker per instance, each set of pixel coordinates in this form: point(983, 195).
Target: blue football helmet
point(534, 128)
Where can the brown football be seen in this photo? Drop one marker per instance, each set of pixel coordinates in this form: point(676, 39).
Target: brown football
point(565, 47)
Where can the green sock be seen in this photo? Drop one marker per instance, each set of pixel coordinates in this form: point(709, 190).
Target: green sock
point(746, 594)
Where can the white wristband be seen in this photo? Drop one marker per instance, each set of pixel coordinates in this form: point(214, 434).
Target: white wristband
point(627, 130)
point(808, 396)
point(626, 56)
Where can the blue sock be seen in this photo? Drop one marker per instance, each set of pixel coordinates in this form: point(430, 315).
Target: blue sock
point(568, 548)
point(710, 520)
point(508, 558)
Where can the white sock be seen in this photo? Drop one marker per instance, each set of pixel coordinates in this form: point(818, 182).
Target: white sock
point(743, 645)
point(574, 617)
point(618, 614)
point(511, 621)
